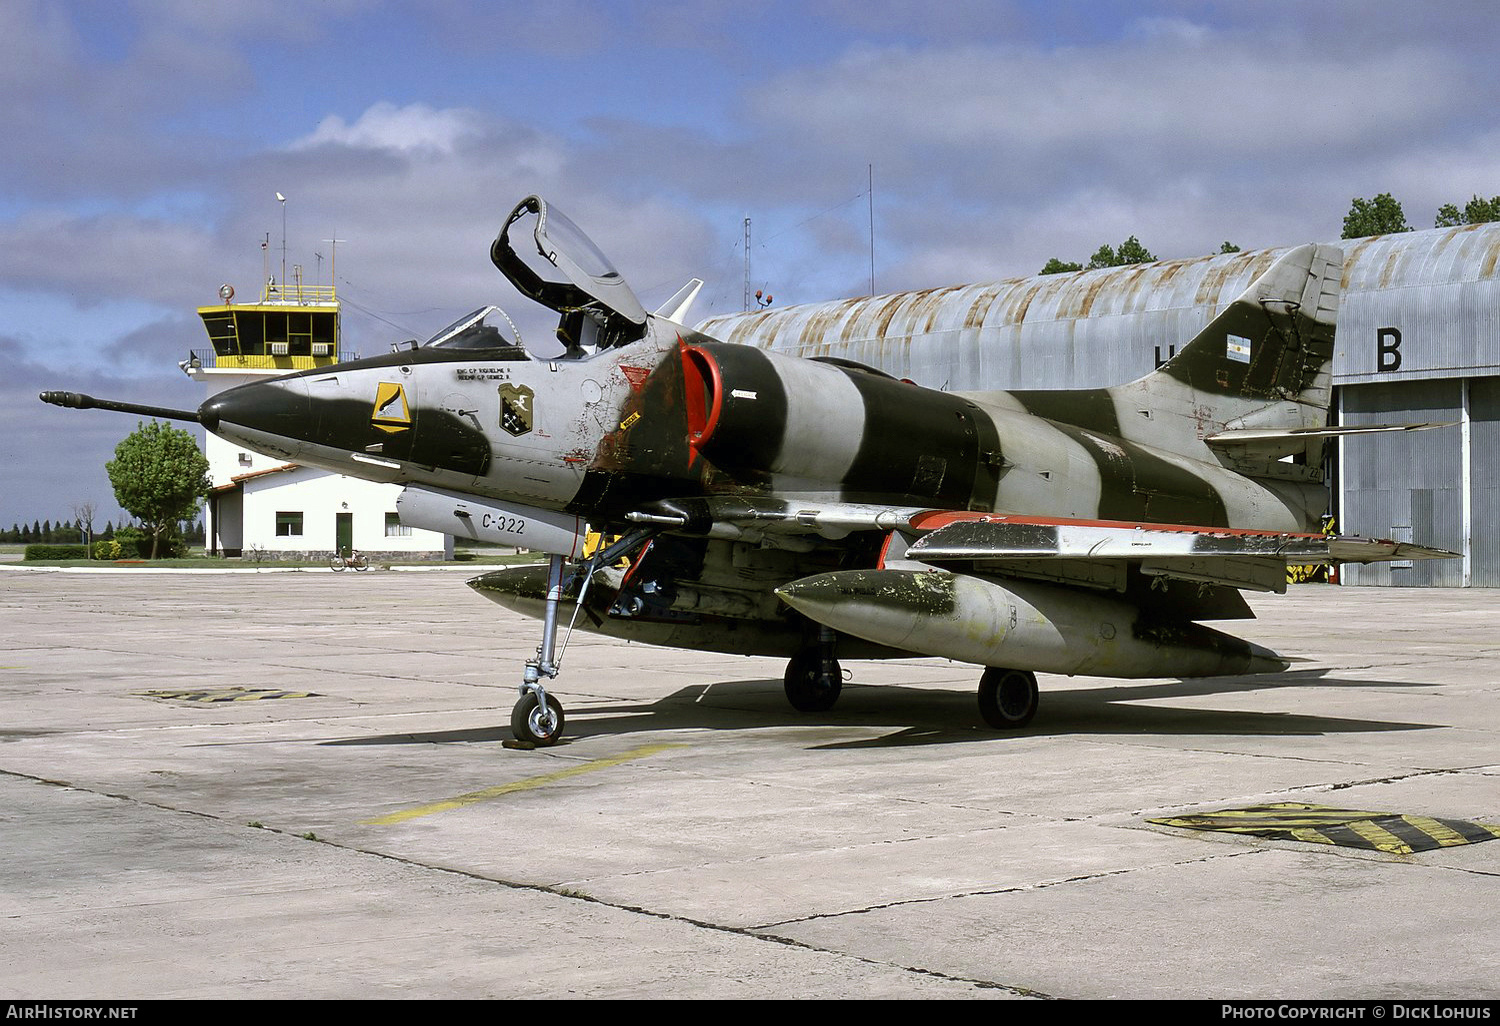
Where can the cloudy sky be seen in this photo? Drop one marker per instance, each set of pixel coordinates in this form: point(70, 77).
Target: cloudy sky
point(146, 140)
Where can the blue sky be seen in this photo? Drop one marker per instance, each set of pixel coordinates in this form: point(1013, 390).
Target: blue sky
point(146, 140)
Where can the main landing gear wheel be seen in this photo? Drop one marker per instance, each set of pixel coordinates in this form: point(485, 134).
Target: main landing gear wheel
point(813, 682)
point(532, 723)
point(1008, 698)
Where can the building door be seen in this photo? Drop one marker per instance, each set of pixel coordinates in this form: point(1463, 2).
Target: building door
point(1405, 485)
point(343, 533)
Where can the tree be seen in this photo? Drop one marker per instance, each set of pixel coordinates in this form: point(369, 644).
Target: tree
point(1379, 216)
point(1130, 252)
point(84, 512)
point(159, 476)
point(1104, 256)
point(1229, 247)
point(1056, 266)
point(1476, 211)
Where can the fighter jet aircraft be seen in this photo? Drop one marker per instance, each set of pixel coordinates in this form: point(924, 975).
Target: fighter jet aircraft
point(761, 504)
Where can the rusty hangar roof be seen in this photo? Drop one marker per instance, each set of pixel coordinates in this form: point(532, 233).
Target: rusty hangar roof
point(1092, 328)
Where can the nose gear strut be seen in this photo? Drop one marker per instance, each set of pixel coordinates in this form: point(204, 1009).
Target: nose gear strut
point(537, 718)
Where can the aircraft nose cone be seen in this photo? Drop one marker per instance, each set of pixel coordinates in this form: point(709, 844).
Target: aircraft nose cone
point(280, 409)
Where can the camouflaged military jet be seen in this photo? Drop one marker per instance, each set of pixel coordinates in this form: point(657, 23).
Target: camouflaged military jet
point(819, 510)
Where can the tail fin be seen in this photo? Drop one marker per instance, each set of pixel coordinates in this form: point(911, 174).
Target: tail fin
point(1266, 362)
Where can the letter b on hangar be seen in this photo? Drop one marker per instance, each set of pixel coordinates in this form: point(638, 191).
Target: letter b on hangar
point(1387, 349)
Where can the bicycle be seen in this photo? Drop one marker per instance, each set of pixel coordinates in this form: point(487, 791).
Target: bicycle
point(349, 558)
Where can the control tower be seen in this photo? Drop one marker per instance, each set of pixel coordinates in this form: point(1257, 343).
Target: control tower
point(264, 505)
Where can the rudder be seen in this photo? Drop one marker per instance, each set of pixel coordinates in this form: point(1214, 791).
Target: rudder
point(1266, 361)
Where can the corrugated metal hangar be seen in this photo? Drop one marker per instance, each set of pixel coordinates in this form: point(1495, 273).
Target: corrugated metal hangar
point(1418, 341)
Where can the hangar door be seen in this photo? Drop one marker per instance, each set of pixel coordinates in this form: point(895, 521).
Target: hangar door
point(1407, 485)
point(1484, 473)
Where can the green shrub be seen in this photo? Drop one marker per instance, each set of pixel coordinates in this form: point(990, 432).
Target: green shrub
point(106, 548)
point(57, 552)
point(136, 544)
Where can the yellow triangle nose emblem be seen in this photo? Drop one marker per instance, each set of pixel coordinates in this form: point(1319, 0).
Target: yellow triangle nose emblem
point(391, 411)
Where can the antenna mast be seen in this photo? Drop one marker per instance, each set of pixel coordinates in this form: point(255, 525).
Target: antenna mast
point(333, 264)
point(870, 168)
point(282, 200)
point(746, 305)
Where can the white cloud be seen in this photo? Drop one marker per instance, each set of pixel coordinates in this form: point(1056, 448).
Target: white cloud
point(385, 126)
point(1193, 102)
point(1175, 30)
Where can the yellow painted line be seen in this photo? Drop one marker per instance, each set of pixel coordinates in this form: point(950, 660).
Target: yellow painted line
point(474, 797)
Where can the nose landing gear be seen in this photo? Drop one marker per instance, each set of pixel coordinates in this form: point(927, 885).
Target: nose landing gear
point(537, 718)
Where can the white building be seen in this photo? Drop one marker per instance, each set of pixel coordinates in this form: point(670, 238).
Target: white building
point(259, 504)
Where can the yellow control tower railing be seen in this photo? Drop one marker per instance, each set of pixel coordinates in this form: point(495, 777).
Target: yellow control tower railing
point(292, 327)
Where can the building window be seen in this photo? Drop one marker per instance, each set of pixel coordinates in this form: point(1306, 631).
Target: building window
point(288, 525)
point(394, 528)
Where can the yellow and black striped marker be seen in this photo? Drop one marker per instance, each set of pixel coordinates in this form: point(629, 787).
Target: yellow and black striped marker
point(226, 695)
point(1377, 831)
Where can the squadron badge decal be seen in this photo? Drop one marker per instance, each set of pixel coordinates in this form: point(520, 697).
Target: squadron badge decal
point(391, 411)
point(515, 408)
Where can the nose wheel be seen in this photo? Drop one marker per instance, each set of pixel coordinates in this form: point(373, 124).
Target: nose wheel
point(537, 720)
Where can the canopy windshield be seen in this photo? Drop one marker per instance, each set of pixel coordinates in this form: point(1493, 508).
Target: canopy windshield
point(485, 328)
point(571, 275)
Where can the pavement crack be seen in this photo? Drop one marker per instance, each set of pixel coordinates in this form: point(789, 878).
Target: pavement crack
point(556, 891)
point(993, 891)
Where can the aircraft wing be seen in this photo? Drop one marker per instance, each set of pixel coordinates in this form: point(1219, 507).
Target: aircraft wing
point(1097, 551)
